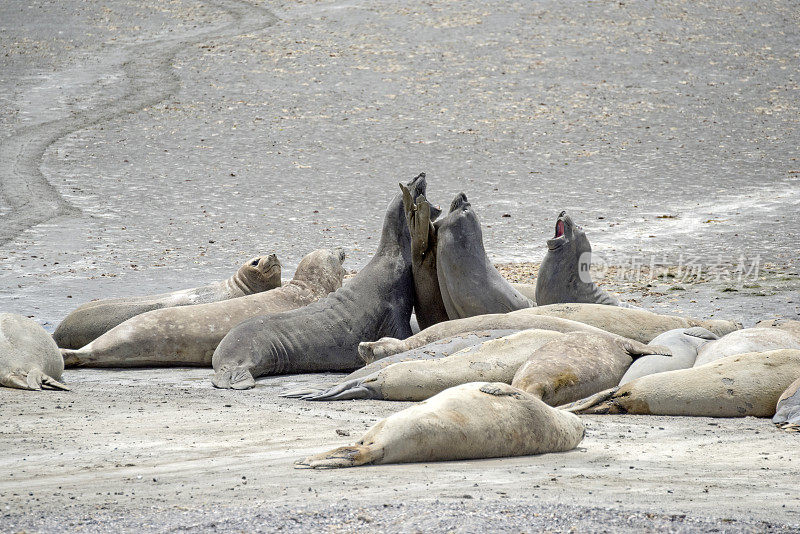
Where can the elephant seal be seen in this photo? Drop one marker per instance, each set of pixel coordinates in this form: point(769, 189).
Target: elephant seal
point(787, 412)
point(564, 273)
point(93, 319)
point(325, 335)
point(579, 364)
point(683, 343)
point(526, 290)
point(477, 420)
point(469, 283)
point(747, 340)
point(789, 325)
point(428, 305)
point(639, 325)
point(29, 358)
point(188, 335)
point(737, 386)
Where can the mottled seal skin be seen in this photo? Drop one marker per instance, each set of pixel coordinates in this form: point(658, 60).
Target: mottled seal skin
point(564, 273)
point(683, 344)
point(579, 364)
point(737, 386)
point(469, 283)
point(748, 340)
point(787, 412)
point(188, 335)
point(477, 420)
point(324, 336)
point(93, 319)
point(639, 325)
point(420, 214)
point(29, 358)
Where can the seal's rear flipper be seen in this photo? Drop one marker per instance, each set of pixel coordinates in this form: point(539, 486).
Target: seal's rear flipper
point(34, 380)
point(299, 393)
point(598, 401)
point(371, 351)
point(341, 457)
point(51, 383)
point(358, 388)
point(239, 378)
point(19, 381)
point(702, 333)
point(637, 350)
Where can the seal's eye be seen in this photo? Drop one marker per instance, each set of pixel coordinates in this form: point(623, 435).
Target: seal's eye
point(254, 262)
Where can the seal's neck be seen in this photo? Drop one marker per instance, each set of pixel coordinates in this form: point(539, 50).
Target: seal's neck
point(245, 283)
point(395, 238)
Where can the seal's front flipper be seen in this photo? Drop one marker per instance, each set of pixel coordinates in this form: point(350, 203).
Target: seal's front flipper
point(375, 350)
point(299, 393)
point(341, 457)
point(594, 401)
point(358, 388)
point(238, 378)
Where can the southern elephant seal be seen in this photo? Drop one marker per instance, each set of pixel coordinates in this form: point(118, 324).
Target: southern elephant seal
point(787, 412)
point(477, 420)
point(526, 290)
point(420, 214)
point(639, 325)
point(188, 335)
point(747, 340)
point(29, 358)
point(683, 343)
point(93, 319)
point(564, 273)
point(737, 386)
point(324, 336)
point(469, 283)
point(790, 325)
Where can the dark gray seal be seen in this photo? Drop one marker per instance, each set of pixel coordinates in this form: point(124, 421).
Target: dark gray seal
point(29, 358)
point(469, 283)
point(324, 336)
point(564, 273)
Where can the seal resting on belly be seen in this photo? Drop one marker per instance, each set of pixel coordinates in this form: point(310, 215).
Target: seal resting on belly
point(683, 343)
point(29, 358)
point(787, 412)
point(748, 340)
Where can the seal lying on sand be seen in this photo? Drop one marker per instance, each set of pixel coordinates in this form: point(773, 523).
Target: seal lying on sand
point(325, 335)
point(748, 340)
point(469, 283)
point(188, 335)
point(93, 319)
point(639, 325)
point(29, 358)
point(787, 412)
point(564, 273)
point(478, 420)
point(683, 343)
point(737, 386)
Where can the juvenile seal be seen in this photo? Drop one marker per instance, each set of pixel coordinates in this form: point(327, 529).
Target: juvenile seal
point(787, 412)
point(737, 386)
point(469, 283)
point(639, 325)
point(29, 358)
point(324, 336)
point(478, 420)
point(748, 340)
point(93, 319)
point(188, 335)
point(683, 343)
point(564, 273)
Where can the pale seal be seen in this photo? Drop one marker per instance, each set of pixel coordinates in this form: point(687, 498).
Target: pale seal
point(469, 283)
point(29, 358)
point(526, 290)
point(737, 386)
point(188, 335)
point(93, 319)
point(787, 412)
point(324, 336)
point(477, 420)
point(683, 343)
point(748, 340)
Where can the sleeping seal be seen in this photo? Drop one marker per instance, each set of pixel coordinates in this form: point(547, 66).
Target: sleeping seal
point(787, 412)
point(478, 420)
point(469, 283)
point(748, 340)
point(93, 319)
point(325, 335)
point(683, 343)
point(29, 358)
point(737, 386)
point(188, 335)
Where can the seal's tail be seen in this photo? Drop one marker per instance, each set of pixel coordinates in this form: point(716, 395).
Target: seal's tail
point(341, 457)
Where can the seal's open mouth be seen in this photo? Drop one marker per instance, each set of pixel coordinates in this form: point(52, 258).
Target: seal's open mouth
point(560, 238)
point(559, 228)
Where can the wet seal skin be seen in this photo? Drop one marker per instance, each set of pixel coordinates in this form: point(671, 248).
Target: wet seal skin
point(29, 358)
point(93, 319)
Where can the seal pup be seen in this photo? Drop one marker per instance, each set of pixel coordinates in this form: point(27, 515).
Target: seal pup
point(683, 343)
point(564, 272)
point(324, 336)
point(93, 319)
point(29, 358)
point(737, 386)
point(477, 420)
point(469, 283)
point(748, 340)
point(188, 335)
point(639, 325)
point(787, 412)
point(420, 214)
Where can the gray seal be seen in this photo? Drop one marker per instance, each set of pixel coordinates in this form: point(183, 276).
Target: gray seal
point(93, 319)
point(324, 336)
point(683, 343)
point(29, 358)
point(469, 283)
